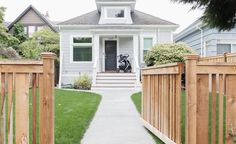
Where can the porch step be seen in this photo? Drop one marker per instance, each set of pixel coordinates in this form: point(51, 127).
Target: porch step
point(115, 81)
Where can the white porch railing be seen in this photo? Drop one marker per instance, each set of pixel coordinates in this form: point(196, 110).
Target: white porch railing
point(95, 70)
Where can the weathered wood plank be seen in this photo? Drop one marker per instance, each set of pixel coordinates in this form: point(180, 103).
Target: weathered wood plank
point(221, 107)
point(230, 108)
point(2, 109)
point(21, 68)
point(202, 108)
point(213, 113)
point(22, 108)
point(34, 108)
point(10, 108)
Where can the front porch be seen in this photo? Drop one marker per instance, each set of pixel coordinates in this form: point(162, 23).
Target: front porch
point(106, 51)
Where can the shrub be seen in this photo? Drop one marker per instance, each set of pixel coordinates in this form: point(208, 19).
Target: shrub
point(83, 82)
point(167, 53)
point(31, 49)
point(8, 53)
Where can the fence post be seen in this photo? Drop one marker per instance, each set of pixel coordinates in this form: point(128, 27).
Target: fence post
point(191, 99)
point(225, 57)
point(46, 114)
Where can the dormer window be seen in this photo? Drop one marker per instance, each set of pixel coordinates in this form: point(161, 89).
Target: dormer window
point(115, 13)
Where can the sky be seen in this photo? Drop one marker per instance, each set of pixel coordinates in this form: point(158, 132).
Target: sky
point(61, 10)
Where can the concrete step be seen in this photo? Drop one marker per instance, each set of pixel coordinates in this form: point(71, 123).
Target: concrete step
point(115, 78)
point(116, 75)
point(115, 81)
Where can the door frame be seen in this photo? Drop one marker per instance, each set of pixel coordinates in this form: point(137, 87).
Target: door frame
point(103, 51)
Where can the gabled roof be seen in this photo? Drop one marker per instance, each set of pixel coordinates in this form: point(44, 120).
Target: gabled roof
point(139, 18)
point(46, 20)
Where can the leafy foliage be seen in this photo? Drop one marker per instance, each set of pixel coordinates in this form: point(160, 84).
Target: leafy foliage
point(5, 38)
point(219, 14)
point(44, 40)
point(31, 49)
point(48, 39)
point(167, 53)
point(18, 32)
point(83, 82)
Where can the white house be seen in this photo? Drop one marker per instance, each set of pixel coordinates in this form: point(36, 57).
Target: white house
point(90, 43)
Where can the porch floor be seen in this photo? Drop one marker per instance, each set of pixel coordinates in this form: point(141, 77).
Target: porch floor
point(117, 121)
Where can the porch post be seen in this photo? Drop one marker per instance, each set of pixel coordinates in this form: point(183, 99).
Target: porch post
point(95, 57)
point(136, 67)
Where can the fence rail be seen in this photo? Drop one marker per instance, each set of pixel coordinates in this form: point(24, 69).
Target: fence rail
point(210, 100)
point(17, 78)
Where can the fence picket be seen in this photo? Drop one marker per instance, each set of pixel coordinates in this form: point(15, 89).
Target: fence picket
point(10, 108)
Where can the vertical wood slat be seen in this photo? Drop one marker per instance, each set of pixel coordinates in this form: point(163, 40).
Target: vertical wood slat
point(160, 103)
point(221, 107)
point(10, 107)
point(213, 110)
point(2, 110)
point(156, 80)
point(34, 108)
point(230, 108)
point(202, 108)
point(191, 99)
point(22, 108)
point(178, 113)
point(46, 111)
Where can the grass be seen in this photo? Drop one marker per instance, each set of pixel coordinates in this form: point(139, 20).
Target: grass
point(137, 101)
point(73, 114)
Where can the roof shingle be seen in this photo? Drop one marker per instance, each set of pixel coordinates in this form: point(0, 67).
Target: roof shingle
point(139, 18)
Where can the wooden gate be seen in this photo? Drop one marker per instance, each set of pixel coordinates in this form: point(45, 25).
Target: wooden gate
point(210, 100)
point(21, 80)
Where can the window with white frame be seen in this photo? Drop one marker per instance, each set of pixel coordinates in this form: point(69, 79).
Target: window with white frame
point(31, 30)
point(25, 30)
point(147, 45)
point(82, 49)
point(223, 48)
point(115, 13)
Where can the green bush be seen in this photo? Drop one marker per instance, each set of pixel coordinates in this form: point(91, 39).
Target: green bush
point(31, 49)
point(167, 53)
point(83, 82)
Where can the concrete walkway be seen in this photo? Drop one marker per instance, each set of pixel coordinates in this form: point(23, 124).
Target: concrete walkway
point(116, 121)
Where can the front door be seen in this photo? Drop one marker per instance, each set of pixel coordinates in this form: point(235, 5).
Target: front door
point(110, 55)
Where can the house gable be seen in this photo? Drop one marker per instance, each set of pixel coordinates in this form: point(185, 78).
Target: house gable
point(31, 16)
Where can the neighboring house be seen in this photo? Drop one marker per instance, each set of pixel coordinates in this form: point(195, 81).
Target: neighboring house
point(206, 41)
point(91, 43)
point(32, 21)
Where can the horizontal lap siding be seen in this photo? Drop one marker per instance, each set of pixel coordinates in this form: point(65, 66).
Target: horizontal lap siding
point(71, 71)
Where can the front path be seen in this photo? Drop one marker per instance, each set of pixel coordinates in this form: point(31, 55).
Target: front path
point(116, 121)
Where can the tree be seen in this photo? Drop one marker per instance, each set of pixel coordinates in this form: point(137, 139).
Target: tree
point(167, 53)
point(5, 38)
point(19, 33)
point(219, 14)
point(49, 40)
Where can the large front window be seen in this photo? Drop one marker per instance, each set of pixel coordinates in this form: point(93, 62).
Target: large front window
point(115, 13)
point(147, 45)
point(82, 49)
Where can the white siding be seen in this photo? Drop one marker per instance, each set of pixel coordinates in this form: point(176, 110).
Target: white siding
point(165, 36)
point(71, 71)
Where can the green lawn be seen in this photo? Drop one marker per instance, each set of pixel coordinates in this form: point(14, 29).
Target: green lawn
point(73, 114)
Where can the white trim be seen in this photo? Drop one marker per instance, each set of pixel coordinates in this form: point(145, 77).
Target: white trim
point(103, 51)
point(61, 60)
point(118, 3)
point(115, 8)
point(225, 43)
point(71, 49)
point(142, 44)
point(138, 26)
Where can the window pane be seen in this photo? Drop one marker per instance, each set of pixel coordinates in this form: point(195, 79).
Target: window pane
point(82, 40)
point(233, 50)
point(115, 13)
point(147, 43)
point(31, 30)
point(222, 48)
point(25, 30)
point(82, 53)
point(39, 28)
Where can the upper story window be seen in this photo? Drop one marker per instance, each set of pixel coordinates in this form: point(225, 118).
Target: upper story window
point(115, 13)
point(147, 45)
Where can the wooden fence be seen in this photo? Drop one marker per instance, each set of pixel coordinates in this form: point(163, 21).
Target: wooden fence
point(162, 101)
point(210, 101)
point(17, 78)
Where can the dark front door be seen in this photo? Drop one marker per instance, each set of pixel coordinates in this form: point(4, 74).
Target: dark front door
point(110, 55)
